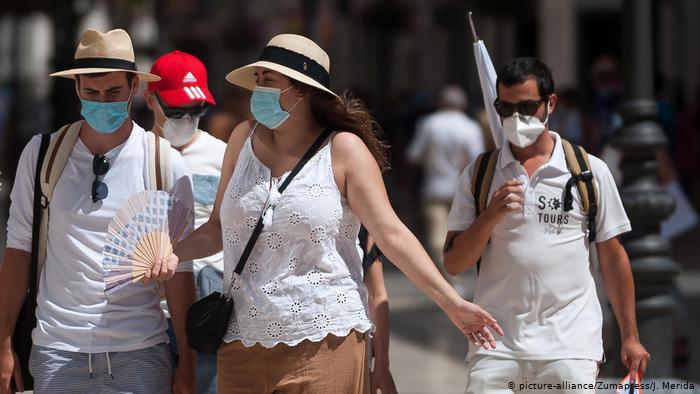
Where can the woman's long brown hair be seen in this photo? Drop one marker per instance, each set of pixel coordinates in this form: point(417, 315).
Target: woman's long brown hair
point(348, 113)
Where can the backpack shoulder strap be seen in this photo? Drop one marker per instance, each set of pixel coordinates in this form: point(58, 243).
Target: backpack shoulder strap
point(482, 176)
point(581, 175)
point(58, 153)
point(53, 162)
point(38, 239)
point(159, 170)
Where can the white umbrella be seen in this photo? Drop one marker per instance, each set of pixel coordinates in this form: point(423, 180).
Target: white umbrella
point(487, 79)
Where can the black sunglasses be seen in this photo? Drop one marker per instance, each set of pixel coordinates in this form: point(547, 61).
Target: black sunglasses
point(100, 166)
point(527, 107)
point(179, 113)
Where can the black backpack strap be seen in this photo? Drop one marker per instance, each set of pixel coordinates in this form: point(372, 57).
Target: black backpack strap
point(581, 175)
point(39, 206)
point(26, 320)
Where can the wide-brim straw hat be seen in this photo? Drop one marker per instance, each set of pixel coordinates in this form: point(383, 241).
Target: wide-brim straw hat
point(104, 52)
point(292, 55)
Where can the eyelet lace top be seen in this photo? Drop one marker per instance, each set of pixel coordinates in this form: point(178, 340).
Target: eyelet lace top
point(303, 279)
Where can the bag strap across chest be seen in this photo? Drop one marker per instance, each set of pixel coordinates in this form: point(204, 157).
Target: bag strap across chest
point(259, 225)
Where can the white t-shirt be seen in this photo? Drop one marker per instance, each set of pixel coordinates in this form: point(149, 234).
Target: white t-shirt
point(445, 143)
point(535, 277)
point(73, 313)
point(204, 159)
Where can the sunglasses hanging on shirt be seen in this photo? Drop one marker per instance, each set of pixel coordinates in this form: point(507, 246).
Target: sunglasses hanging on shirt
point(100, 166)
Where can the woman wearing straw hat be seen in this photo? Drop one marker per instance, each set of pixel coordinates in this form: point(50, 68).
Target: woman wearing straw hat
point(300, 319)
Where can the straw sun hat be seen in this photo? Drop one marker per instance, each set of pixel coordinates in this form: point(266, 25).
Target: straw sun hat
point(104, 52)
point(292, 55)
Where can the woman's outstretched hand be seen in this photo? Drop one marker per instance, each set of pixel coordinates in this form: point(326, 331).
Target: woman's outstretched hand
point(475, 323)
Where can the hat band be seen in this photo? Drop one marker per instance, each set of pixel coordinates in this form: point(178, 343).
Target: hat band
point(297, 62)
point(100, 62)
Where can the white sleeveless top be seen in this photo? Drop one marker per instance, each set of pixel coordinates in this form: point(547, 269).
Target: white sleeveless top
point(303, 279)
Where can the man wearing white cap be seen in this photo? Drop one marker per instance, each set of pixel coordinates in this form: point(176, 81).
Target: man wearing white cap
point(178, 101)
point(84, 340)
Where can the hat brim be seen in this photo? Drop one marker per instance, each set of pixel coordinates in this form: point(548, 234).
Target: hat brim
point(178, 97)
point(245, 76)
point(70, 74)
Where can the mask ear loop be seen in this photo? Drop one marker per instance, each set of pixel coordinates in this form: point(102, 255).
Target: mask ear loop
point(294, 106)
point(76, 88)
point(546, 109)
point(160, 107)
point(131, 92)
point(289, 111)
point(161, 127)
point(527, 119)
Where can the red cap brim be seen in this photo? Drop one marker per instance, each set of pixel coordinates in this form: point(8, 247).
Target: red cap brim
point(186, 95)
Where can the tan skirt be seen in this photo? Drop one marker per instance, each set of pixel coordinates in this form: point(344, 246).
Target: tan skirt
point(333, 365)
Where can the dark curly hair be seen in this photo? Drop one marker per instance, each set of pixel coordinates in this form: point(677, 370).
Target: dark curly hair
point(348, 113)
point(521, 69)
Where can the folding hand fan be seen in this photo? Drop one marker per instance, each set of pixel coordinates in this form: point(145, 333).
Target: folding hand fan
point(144, 230)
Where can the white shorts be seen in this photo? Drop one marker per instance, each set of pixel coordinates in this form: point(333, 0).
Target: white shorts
point(495, 375)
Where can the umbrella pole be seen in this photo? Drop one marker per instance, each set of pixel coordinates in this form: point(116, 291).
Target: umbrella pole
point(471, 24)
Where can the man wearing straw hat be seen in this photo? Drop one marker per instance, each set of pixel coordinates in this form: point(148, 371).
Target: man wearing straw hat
point(85, 340)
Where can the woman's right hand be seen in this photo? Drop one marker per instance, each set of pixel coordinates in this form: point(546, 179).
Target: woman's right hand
point(380, 379)
point(474, 322)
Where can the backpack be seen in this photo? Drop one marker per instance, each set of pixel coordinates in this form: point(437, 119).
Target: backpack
point(581, 175)
point(52, 159)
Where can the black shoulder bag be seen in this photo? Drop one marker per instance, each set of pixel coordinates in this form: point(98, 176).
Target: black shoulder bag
point(208, 318)
point(26, 320)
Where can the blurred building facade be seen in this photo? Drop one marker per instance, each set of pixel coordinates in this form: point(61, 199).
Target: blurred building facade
point(395, 54)
point(387, 51)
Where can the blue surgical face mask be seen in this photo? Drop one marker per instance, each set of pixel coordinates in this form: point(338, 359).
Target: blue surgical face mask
point(265, 106)
point(105, 117)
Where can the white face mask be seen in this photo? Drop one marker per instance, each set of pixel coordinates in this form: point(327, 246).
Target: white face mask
point(522, 131)
point(180, 131)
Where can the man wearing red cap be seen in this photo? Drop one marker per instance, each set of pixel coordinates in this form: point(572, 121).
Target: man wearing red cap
point(178, 102)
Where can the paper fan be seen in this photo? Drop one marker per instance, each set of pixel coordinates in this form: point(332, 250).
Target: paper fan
point(144, 230)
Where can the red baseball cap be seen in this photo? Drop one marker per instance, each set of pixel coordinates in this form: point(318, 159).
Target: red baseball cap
point(183, 79)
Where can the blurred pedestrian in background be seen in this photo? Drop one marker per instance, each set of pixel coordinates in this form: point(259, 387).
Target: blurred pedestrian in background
point(445, 142)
